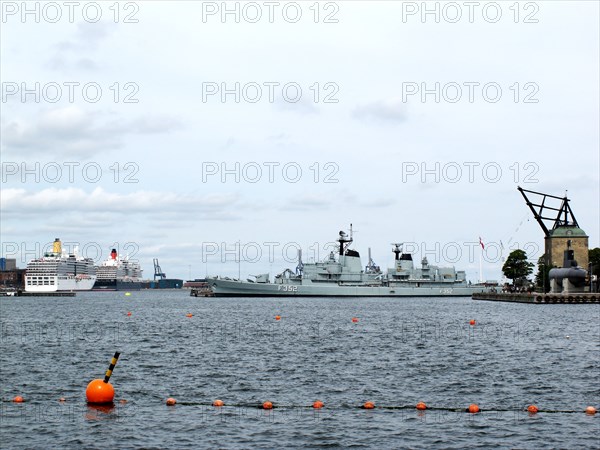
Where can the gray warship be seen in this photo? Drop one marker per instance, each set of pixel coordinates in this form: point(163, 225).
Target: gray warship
point(343, 275)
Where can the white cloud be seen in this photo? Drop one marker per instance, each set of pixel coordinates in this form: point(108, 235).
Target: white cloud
point(71, 130)
point(76, 200)
point(382, 110)
point(75, 53)
point(321, 201)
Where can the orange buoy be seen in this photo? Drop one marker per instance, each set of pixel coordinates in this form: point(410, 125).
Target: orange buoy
point(18, 399)
point(277, 317)
point(473, 408)
point(128, 313)
point(99, 392)
point(189, 315)
point(218, 403)
point(369, 405)
point(590, 410)
point(318, 404)
point(472, 322)
point(267, 405)
point(421, 406)
point(532, 409)
point(171, 401)
point(355, 320)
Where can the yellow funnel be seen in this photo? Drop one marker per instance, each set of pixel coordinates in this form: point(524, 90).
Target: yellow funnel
point(57, 247)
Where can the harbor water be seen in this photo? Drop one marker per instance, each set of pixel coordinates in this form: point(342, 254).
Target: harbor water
point(400, 351)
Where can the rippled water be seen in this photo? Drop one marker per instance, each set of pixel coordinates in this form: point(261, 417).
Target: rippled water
point(400, 352)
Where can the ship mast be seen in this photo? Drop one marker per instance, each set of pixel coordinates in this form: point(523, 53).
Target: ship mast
point(300, 266)
point(344, 241)
point(397, 250)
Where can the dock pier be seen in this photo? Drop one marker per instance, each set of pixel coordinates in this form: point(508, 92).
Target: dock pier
point(36, 294)
point(539, 298)
point(202, 292)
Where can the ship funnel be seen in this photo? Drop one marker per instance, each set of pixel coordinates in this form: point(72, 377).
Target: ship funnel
point(57, 246)
point(113, 253)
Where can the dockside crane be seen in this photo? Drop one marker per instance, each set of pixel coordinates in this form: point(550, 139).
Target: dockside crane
point(158, 273)
point(564, 217)
point(561, 230)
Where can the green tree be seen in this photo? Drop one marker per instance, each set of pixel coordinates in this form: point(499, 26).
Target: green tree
point(542, 277)
point(517, 268)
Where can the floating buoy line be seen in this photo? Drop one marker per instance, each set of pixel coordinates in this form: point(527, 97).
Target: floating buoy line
point(101, 392)
point(421, 407)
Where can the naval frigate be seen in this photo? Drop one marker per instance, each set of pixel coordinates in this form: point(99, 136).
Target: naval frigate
point(343, 275)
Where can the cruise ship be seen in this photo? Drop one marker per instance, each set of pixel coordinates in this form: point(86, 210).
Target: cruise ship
point(118, 274)
point(343, 275)
point(60, 271)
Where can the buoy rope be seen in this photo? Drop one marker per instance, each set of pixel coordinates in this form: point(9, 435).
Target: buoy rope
point(386, 407)
point(113, 363)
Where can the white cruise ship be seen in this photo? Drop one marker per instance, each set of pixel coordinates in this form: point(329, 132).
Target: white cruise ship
point(60, 271)
point(118, 274)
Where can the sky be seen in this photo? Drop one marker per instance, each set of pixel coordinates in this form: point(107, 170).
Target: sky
point(222, 137)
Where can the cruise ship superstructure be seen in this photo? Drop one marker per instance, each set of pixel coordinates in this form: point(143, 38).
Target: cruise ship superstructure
point(60, 271)
point(118, 274)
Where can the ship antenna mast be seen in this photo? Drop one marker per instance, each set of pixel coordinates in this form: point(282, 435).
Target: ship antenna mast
point(344, 241)
point(300, 266)
point(397, 250)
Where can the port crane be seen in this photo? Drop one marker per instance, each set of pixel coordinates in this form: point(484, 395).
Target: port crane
point(564, 217)
point(158, 273)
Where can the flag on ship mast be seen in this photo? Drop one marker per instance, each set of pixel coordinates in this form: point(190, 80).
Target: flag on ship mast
point(480, 260)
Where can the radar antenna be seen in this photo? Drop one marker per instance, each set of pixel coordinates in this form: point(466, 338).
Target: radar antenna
point(397, 250)
point(345, 241)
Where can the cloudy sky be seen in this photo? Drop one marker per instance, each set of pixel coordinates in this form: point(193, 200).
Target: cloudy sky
point(179, 129)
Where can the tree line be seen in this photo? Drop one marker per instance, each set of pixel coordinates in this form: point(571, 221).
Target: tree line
point(517, 268)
